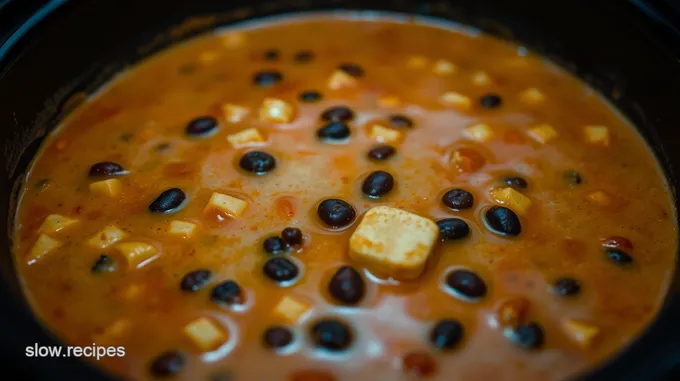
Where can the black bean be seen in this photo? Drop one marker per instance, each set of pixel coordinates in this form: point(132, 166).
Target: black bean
point(352, 69)
point(515, 182)
point(567, 287)
point(451, 229)
point(490, 101)
point(458, 199)
point(167, 364)
point(572, 177)
point(227, 292)
point(104, 264)
point(304, 56)
point(267, 78)
point(257, 162)
point(105, 169)
point(195, 280)
point(347, 285)
point(280, 269)
point(201, 126)
point(382, 152)
point(292, 236)
point(466, 283)
point(336, 213)
point(331, 334)
point(503, 221)
point(310, 96)
point(400, 121)
point(271, 55)
point(168, 201)
point(277, 337)
point(446, 334)
point(377, 184)
point(274, 245)
point(619, 256)
point(528, 336)
point(338, 113)
point(334, 131)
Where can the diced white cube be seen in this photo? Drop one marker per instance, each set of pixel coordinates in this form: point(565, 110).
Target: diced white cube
point(532, 96)
point(384, 134)
point(276, 111)
point(341, 80)
point(512, 199)
point(205, 334)
point(456, 100)
point(106, 237)
point(56, 222)
point(184, 229)
point(136, 254)
point(416, 62)
point(443, 67)
point(291, 309)
point(229, 205)
point(479, 132)
point(42, 246)
point(581, 332)
point(480, 78)
point(109, 187)
point(542, 133)
point(393, 242)
point(234, 113)
point(597, 135)
point(246, 138)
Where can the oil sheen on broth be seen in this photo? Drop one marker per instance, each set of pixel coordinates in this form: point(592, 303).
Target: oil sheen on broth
point(454, 209)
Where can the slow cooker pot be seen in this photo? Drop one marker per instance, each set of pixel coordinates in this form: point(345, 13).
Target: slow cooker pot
point(54, 52)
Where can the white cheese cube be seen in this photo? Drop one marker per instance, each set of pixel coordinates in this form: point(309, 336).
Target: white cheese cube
point(245, 138)
point(137, 254)
point(291, 309)
point(478, 132)
point(232, 206)
point(456, 100)
point(276, 111)
point(340, 80)
point(56, 222)
point(443, 67)
point(416, 62)
point(42, 246)
point(384, 134)
point(234, 113)
point(512, 199)
point(543, 133)
point(532, 96)
point(205, 334)
point(107, 237)
point(109, 187)
point(597, 135)
point(182, 229)
point(581, 332)
point(392, 242)
point(480, 78)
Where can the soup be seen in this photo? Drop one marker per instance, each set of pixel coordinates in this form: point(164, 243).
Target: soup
point(336, 197)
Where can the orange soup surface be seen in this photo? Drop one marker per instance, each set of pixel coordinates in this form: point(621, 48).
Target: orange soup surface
point(342, 198)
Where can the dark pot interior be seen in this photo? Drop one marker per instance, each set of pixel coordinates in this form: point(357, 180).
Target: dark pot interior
point(69, 47)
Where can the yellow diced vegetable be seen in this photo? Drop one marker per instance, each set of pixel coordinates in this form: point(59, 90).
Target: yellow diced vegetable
point(109, 187)
point(480, 78)
point(532, 96)
point(339, 80)
point(389, 101)
point(182, 228)
point(108, 236)
point(416, 62)
point(581, 332)
point(543, 133)
point(247, 137)
point(384, 134)
point(56, 222)
point(456, 100)
point(137, 254)
point(227, 204)
point(291, 309)
point(512, 199)
point(234, 113)
point(443, 67)
point(205, 334)
point(598, 135)
point(276, 111)
point(478, 132)
point(42, 246)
